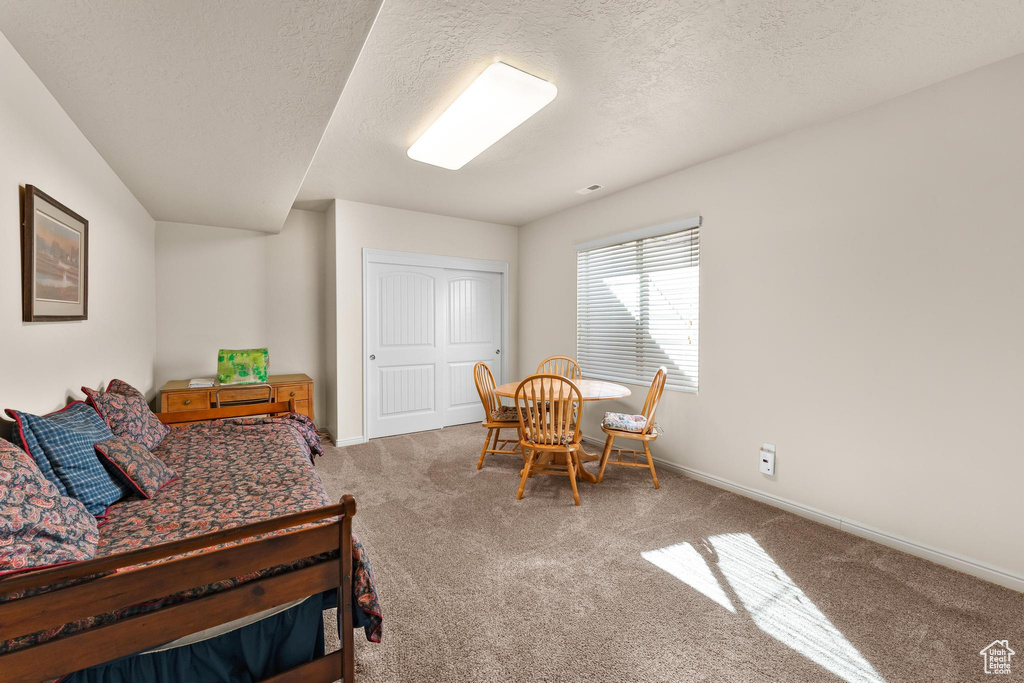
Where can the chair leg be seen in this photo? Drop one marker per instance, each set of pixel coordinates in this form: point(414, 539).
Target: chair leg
point(536, 461)
point(604, 457)
point(573, 461)
point(650, 463)
point(497, 434)
point(483, 452)
point(526, 474)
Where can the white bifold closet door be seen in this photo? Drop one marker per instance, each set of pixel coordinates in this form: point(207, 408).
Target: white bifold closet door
point(473, 334)
point(426, 329)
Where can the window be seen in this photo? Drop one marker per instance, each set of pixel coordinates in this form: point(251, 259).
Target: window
point(637, 305)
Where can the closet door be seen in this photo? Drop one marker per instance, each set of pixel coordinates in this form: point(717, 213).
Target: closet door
point(404, 348)
point(472, 333)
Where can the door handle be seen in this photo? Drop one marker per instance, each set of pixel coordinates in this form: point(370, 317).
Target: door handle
point(373, 357)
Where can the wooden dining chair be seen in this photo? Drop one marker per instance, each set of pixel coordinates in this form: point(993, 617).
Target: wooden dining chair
point(563, 366)
point(549, 409)
point(635, 427)
point(496, 416)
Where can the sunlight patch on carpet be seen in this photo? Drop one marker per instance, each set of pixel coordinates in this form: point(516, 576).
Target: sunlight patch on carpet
point(774, 602)
point(686, 564)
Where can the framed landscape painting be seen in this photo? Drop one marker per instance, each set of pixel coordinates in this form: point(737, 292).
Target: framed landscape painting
point(55, 260)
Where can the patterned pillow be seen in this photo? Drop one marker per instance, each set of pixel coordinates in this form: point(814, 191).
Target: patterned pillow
point(65, 439)
point(127, 413)
point(551, 440)
point(625, 422)
point(142, 470)
point(505, 414)
point(38, 526)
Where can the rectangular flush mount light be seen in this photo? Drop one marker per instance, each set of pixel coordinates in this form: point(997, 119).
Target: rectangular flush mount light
point(498, 100)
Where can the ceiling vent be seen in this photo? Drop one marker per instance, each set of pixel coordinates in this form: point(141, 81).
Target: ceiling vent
point(588, 189)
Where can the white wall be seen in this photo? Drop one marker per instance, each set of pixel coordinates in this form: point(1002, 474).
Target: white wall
point(359, 226)
point(227, 288)
point(861, 307)
point(210, 295)
point(44, 364)
point(330, 417)
point(296, 289)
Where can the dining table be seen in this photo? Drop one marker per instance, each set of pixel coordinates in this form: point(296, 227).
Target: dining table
point(590, 390)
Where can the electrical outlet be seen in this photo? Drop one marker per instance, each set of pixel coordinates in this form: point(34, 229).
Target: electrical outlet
point(766, 461)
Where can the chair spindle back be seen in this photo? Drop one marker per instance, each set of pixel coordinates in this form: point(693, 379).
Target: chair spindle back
point(654, 397)
point(562, 366)
point(549, 408)
point(485, 387)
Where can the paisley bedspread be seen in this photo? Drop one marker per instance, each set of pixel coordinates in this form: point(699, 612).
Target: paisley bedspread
point(231, 473)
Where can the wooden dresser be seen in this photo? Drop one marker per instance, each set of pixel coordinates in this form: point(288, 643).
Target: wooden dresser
point(176, 397)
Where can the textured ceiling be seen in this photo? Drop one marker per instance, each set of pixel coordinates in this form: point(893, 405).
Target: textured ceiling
point(644, 88)
point(210, 112)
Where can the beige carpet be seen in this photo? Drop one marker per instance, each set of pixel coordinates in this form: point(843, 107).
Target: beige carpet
point(478, 587)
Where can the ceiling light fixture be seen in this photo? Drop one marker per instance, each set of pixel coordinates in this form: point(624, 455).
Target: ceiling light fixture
point(500, 98)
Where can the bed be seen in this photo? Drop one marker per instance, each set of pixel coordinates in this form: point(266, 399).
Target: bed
point(245, 536)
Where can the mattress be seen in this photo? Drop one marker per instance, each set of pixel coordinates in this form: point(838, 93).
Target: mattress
point(230, 473)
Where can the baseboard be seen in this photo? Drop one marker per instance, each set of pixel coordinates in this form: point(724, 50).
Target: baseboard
point(966, 565)
point(800, 509)
point(352, 441)
point(943, 557)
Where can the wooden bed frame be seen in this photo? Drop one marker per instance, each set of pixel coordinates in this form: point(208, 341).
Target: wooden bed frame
point(186, 417)
point(111, 592)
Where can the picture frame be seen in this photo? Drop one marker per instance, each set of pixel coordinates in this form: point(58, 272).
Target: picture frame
point(55, 260)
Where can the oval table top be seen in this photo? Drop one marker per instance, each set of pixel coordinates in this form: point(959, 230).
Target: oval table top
point(590, 389)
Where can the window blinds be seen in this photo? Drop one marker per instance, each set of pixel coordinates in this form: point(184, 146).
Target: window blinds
point(637, 305)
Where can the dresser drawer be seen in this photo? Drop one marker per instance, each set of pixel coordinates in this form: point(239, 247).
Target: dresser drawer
point(242, 394)
point(300, 392)
point(177, 403)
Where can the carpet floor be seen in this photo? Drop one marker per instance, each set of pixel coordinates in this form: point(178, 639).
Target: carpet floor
point(685, 583)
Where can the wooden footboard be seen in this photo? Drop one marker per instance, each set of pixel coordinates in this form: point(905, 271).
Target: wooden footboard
point(192, 416)
point(111, 592)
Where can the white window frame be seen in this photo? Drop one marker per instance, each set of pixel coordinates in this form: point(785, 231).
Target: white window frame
point(680, 379)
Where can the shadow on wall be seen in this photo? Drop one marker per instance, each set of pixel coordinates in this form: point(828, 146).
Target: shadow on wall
point(6, 429)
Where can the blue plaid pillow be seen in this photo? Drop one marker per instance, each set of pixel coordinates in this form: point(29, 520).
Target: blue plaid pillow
point(26, 438)
point(65, 440)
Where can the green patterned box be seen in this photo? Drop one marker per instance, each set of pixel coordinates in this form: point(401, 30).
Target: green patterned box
point(242, 366)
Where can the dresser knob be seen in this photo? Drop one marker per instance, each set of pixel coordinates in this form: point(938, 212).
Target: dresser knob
point(188, 401)
point(292, 394)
